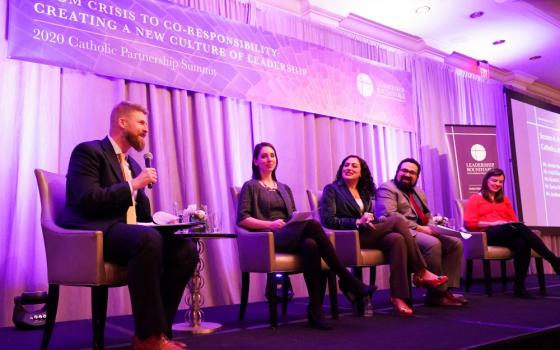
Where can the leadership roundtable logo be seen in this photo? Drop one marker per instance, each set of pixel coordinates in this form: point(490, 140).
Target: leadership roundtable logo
point(478, 153)
point(364, 85)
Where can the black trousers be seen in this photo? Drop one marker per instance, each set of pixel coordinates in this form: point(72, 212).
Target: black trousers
point(520, 239)
point(309, 239)
point(159, 267)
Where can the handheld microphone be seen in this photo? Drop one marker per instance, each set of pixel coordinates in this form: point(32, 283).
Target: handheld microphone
point(148, 162)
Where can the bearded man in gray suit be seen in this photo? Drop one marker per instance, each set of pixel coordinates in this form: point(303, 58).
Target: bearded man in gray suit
point(442, 253)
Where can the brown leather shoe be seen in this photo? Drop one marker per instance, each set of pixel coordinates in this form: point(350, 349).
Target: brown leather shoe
point(443, 299)
point(157, 343)
point(459, 297)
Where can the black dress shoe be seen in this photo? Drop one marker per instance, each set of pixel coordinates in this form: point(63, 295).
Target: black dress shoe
point(523, 294)
point(317, 320)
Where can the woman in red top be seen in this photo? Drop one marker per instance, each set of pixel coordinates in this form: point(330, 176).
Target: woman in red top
point(491, 211)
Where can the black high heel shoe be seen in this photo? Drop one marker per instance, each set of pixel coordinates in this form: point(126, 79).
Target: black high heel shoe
point(353, 296)
point(556, 268)
point(317, 321)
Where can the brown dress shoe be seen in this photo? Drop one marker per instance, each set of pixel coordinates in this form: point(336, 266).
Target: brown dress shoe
point(157, 343)
point(460, 298)
point(443, 299)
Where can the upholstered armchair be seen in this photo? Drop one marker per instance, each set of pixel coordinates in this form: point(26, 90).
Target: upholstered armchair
point(347, 244)
point(74, 258)
point(257, 255)
point(477, 248)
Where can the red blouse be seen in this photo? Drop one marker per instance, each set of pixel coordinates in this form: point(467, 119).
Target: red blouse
point(479, 209)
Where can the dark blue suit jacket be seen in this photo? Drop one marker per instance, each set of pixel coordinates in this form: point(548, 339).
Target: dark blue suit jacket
point(97, 196)
point(338, 208)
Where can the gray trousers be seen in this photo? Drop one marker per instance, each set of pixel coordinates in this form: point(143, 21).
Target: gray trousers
point(443, 255)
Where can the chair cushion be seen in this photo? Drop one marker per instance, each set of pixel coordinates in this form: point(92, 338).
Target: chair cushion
point(371, 257)
point(285, 262)
point(496, 252)
point(115, 274)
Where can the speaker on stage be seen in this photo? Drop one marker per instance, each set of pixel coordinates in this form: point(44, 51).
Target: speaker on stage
point(30, 310)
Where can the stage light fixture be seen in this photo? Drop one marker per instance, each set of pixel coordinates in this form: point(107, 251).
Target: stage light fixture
point(275, 286)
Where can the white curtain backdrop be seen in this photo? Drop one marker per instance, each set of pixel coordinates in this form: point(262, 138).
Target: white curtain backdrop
point(202, 145)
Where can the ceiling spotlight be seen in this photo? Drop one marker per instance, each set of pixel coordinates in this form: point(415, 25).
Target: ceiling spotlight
point(423, 10)
point(537, 57)
point(499, 42)
point(476, 14)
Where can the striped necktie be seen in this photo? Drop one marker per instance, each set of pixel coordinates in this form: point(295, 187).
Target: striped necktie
point(422, 217)
point(131, 212)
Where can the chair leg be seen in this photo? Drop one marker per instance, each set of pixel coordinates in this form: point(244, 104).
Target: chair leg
point(357, 271)
point(540, 274)
point(487, 276)
point(285, 289)
point(52, 307)
point(468, 281)
point(503, 269)
point(333, 298)
point(99, 297)
point(244, 294)
point(271, 286)
point(372, 275)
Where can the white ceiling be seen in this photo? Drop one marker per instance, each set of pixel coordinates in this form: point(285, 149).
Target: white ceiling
point(529, 28)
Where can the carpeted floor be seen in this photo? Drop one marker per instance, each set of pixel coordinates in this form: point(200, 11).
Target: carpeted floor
point(483, 320)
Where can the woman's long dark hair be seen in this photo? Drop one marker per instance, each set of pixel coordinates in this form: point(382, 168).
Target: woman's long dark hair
point(256, 152)
point(485, 191)
point(366, 186)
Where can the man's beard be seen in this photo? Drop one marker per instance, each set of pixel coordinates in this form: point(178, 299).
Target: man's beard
point(136, 141)
point(405, 187)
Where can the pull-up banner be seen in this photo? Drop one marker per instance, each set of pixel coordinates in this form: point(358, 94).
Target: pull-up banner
point(473, 152)
point(171, 45)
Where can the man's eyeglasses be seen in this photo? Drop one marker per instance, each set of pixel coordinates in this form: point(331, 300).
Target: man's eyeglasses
point(410, 172)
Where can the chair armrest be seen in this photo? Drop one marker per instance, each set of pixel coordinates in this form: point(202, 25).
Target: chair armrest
point(74, 257)
point(256, 250)
point(347, 245)
point(476, 247)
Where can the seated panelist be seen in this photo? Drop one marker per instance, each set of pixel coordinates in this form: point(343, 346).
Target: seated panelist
point(265, 205)
point(346, 204)
point(442, 253)
point(105, 191)
point(491, 211)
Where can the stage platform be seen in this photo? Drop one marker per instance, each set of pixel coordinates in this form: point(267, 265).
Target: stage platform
point(497, 322)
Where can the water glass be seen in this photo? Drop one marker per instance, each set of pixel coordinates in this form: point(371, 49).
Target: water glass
point(213, 222)
point(452, 223)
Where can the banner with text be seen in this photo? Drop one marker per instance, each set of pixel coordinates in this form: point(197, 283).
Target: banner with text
point(163, 43)
point(473, 152)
